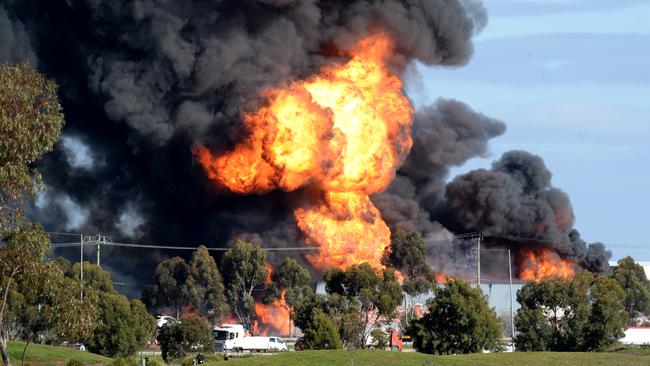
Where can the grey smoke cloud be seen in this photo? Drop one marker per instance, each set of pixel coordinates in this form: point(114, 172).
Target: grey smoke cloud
point(15, 44)
point(141, 82)
point(515, 198)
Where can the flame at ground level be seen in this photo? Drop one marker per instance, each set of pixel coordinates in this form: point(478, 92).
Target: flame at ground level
point(272, 318)
point(539, 264)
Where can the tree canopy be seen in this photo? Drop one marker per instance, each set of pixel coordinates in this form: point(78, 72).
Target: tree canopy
point(30, 123)
point(585, 313)
point(243, 269)
point(632, 278)
point(407, 253)
point(459, 321)
point(377, 295)
point(179, 338)
point(205, 286)
point(123, 326)
point(170, 288)
point(292, 282)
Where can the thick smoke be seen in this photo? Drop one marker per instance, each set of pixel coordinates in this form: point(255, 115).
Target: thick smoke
point(15, 45)
point(141, 82)
point(515, 198)
point(446, 134)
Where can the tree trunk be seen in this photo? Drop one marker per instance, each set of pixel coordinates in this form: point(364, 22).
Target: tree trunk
point(22, 361)
point(4, 339)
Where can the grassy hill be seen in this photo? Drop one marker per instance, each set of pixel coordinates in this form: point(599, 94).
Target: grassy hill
point(382, 358)
point(49, 355)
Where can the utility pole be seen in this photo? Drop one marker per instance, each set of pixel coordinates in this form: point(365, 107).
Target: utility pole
point(478, 260)
point(512, 317)
point(81, 265)
point(99, 248)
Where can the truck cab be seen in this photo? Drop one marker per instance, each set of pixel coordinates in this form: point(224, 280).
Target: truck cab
point(227, 336)
point(233, 338)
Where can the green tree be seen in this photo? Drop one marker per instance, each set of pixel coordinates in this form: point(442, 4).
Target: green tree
point(51, 309)
point(631, 276)
point(170, 286)
point(191, 334)
point(459, 321)
point(407, 253)
point(243, 270)
point(607, 319)
point(205, 286)
point(21, 255)
point(322, 333)
point(116, 333)
point(30, 123)
point(95, 277)
point(344, 313)
point(377, 295)
point(292, 282)
point(581, 314)
point(145, 324)
point(122, 327)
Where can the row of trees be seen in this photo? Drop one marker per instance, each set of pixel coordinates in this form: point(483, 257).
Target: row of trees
point(586, 313)
point(199, 286)
point(357, 300)
point(40, 299)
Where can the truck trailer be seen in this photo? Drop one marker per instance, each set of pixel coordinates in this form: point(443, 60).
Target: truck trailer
point(233, 338)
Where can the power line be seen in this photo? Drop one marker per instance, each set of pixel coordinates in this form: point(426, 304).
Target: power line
point(171, 247)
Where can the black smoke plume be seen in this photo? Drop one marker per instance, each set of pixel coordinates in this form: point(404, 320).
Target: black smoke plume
point(141, 82)
point(515, 198)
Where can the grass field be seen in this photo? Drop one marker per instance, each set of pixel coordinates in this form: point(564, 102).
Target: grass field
point(381, 358)
point(48, 355)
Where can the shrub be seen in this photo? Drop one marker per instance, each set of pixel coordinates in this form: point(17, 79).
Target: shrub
point(179, 339)
point(123, 361)
point(380, 338)
point(323, 333)
point(459, 321)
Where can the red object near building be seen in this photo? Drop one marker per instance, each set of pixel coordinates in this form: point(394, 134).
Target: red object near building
point(395, 342)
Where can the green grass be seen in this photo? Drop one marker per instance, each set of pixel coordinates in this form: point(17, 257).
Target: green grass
point(377, 358)
point(49, 355)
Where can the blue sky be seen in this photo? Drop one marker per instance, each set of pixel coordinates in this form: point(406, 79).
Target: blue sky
point(571, 79)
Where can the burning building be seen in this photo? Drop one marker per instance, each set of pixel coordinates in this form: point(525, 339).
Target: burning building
point(282, 120)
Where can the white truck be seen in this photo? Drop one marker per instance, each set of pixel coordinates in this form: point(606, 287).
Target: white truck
point(233, 338)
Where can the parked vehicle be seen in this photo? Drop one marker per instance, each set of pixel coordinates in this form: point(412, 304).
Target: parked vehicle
point(163, 319)
point(233, 338)
point(79, 346)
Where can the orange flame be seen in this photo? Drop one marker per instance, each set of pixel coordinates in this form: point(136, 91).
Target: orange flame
point(343, 133)
point(273, 317)
point(544, 263)
point(443, 278)
point(269, 273)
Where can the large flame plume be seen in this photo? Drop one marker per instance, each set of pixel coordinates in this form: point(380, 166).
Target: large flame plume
point(341, 133)
point(273, 318)
point(544, 263)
